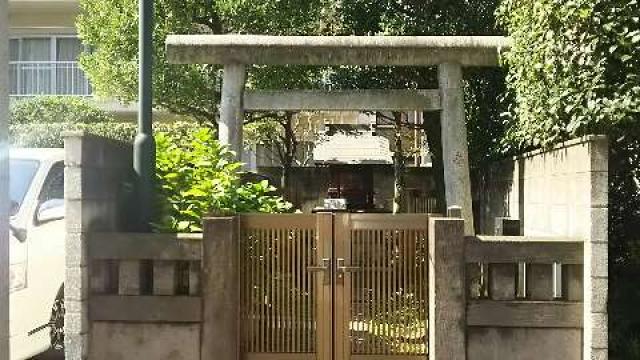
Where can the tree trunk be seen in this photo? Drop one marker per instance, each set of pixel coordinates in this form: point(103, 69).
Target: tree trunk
point(431, 125)
point(398, 167)
point(288, 155)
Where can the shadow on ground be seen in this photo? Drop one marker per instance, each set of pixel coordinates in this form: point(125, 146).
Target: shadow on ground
point(49, 355)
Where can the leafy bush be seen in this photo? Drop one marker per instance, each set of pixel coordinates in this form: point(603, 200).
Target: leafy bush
point(57, 109)
point(574, 68)
point(49, 135)
point(196, 175)
point(41, 121)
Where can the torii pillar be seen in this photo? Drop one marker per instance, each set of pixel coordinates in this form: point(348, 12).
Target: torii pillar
point(231, 108)
point(455, 153)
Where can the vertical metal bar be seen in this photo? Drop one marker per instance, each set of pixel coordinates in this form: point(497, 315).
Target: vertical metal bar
point(246, 264)
point(286, 290)
point(260, 289)
point(310, 290)
point(378, 292)
point(424, 286)
point(356, 295)
point(387, 295)
point(285, 296)
point(372, 292)
point(306, 310)
point(274, 290)
point(144, 148)
point(521, 292)
point(368, 288)
point(294, 290)
point(4, 180)
point(557, 280)
point(279, 288)
point(414, 284)
point(406, 285)
point(394, 295)
point(266, 278)
point(324, 289)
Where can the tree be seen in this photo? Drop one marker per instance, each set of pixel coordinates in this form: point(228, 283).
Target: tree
point(109, 28)
point(440, 17)
point(280, 136)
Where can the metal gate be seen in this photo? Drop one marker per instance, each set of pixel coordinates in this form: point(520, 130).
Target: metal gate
point(334, 286)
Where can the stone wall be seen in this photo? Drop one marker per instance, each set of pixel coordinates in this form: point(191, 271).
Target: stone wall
point(562, 192)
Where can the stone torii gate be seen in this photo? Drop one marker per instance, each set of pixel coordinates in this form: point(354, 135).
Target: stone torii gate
point(449, 53)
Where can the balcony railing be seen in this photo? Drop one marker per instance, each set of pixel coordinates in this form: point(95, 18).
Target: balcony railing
point(33, 78)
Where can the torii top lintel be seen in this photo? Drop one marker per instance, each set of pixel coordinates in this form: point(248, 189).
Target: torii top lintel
point(335, 50)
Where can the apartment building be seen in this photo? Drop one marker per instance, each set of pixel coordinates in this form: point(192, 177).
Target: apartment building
point(44, 49)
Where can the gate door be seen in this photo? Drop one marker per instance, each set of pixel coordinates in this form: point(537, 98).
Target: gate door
point(380, 286)
point(334, 286)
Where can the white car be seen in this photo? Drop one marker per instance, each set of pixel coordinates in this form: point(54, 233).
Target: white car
point(36, 301)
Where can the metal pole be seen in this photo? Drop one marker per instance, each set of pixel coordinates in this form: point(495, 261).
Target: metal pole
point(4, 181)
point(144, 150)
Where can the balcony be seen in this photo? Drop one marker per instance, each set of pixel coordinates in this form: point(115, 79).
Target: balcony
point(34, 78)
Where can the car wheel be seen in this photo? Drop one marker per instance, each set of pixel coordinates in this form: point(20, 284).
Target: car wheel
point(56, 323)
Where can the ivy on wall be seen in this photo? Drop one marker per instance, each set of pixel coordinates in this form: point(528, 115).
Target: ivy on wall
point(573, 67)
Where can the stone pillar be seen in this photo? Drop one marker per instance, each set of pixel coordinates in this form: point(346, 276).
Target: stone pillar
point(231, 107)
point(447, 295)
point(454, 142)
point(596, 274)
point(4, 181)
point(220, 290)
point(94, 170)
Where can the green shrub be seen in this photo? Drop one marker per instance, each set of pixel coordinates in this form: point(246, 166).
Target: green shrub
point(57, 109)
point(49, 135)
point(195, 175)
point(574, 67)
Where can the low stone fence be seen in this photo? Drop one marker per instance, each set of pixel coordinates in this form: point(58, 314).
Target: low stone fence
point(144, 300)
point(559, 193)
point(525, 297)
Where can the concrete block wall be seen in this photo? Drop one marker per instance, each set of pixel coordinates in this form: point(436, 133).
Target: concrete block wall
point(561, 192)
point(96, 171)
point(98, 200)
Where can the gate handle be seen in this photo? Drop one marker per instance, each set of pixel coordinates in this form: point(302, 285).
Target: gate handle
point(326, 266)
point(342, 269)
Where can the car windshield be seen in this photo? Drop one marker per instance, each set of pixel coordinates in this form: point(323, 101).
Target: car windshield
point(20, 177)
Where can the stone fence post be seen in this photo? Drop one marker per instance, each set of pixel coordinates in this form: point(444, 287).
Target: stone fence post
point(95, 169)
point(447, 295)
point(220, 289)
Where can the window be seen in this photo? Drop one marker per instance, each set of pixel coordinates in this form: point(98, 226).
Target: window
point(53, 188)
point(46, 66)
point(22, 173)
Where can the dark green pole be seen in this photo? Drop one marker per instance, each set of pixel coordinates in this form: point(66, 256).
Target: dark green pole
point(144, 148)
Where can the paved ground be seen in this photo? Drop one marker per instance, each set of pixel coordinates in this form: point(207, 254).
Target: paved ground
point(50, 355)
